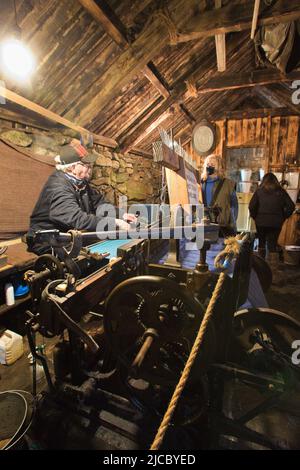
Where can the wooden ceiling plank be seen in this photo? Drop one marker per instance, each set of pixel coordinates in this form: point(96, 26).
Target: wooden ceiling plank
point(220, 40)
point(117, 31)
point(155, 35)
point(126, 147)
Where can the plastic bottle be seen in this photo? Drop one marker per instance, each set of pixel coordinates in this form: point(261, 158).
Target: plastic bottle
point(9, 294)
point(11, 347)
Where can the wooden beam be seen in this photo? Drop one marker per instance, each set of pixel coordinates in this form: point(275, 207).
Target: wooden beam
point(255, 18)
point(153, 76)
point(235, 17)
point(103, 15)
point(46, 113)
point(141, 153)
point(253, 113)
point(187, 114)
point(155, 35)
point(160, 114)
point(246, 80)
point(220, 40)
point(149, 126)
point(177, 97)
point(129, 63)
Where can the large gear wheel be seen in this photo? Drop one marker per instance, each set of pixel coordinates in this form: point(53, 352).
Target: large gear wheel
point(151, 324)
point(51, 263)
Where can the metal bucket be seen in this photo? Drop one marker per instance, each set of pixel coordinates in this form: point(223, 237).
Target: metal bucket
point(292, 255)
point(16, 409)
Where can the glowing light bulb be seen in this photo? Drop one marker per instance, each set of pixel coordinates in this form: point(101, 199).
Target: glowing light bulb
point(16, 59)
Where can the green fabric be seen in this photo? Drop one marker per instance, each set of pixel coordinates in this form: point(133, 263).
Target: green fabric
point(223, 200)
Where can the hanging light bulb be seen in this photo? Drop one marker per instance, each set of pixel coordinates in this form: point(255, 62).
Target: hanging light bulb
point(16, 59)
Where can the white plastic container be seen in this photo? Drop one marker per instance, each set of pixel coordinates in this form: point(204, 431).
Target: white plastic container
point(245, 187)
point(245, 174)
point(9, 294)
point(11, 347)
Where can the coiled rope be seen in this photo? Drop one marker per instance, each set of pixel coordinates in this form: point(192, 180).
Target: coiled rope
point(231, 250)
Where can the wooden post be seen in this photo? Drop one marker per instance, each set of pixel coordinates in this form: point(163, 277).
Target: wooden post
point(255, 18)
point(268, 146)
point(220, 45)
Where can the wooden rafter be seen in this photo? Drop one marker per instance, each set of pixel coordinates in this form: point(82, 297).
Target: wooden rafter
point(108, 20)
point(178, 96)
point(220, 40)
point(255, 18)
point(103, 15)
point(187, 114)
point(165, 110)
point(46, 113)
point(155, 36)
point(151, 73)
point(153, 124)
point(235, 17)
point(253, 113)
point(246, 80)
point(51, 116)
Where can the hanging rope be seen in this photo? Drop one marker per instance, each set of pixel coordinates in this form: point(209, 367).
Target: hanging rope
point(232, 247)
point(231, 250)
point(164, 14)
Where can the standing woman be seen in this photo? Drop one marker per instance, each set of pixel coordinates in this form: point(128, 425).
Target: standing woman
point(218, 195)
point(269, 207)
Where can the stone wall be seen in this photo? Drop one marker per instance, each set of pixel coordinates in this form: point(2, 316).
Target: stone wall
point(115, 174)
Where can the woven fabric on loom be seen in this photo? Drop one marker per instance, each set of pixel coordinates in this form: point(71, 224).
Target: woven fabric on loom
point(22, 177)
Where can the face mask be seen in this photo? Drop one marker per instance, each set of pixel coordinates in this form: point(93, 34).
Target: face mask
point(210, 170)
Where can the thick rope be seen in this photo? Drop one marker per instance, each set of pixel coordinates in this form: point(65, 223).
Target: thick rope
point(231, 249)
point(171, 27)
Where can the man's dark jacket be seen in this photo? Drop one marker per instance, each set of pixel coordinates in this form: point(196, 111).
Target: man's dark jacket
point(64, 206)
point(270, 208)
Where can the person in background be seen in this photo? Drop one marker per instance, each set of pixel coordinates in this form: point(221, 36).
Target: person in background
point(219, 196)
point(67, 201)
point(270, 206)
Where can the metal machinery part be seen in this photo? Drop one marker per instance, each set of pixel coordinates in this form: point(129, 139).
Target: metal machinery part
point(260, 365)
point(262, 270)
point(151, 323)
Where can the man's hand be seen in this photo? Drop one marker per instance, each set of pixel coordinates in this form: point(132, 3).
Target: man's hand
point(122, 225)
point(130, 218)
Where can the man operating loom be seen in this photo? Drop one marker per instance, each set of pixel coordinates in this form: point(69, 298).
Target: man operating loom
point(67, 201)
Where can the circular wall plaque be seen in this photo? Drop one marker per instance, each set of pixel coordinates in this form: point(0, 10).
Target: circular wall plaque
point(204, 138)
